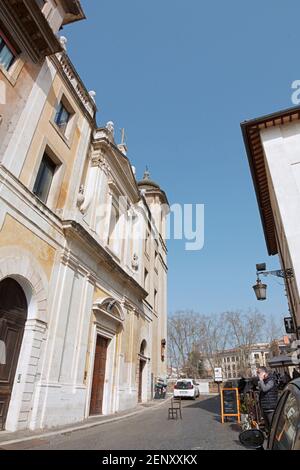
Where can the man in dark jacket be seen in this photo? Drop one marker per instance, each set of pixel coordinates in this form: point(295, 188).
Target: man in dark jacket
point(268, 396)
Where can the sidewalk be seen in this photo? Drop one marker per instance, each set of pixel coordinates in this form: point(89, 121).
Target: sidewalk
point(7, 437)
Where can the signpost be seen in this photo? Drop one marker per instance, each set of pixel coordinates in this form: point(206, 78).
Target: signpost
point(230, 404)
point(218, 374)
point(289, 325)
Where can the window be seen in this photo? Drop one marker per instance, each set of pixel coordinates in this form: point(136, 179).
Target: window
point(146, 280)
point(44, 178)
point(287, 425)
point(155, 300)
point(147, 242)
point(62, 117)
point(156, 260)
point(232, 359)
point(7, 52)
point(256, 356)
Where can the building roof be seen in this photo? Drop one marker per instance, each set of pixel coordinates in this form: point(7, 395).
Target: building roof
point(251, 134)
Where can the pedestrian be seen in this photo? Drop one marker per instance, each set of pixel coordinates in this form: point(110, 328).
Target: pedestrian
point(287, 378)
point(296, 373)
point(268, 395)
point(242, 384)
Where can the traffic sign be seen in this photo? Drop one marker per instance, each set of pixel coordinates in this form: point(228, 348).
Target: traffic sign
point(218, 374)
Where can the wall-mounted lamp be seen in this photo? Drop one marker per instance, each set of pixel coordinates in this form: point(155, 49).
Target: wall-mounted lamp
point(259, 288)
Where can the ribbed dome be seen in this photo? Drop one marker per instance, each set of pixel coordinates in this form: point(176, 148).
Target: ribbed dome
point(146, 181)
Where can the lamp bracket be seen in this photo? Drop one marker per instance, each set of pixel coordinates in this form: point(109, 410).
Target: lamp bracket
point(284, 273)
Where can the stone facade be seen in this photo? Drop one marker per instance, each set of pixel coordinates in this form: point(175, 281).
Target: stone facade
point(86, 243)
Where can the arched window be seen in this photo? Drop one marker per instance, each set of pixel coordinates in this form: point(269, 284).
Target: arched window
point(143, 347)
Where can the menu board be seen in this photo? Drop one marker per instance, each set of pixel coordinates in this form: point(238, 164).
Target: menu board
point(230, 403)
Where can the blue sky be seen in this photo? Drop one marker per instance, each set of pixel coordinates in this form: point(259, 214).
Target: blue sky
point(180, 77)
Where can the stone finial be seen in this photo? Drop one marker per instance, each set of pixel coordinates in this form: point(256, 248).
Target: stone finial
point(135, 262)
point(146, 174)
point(92, 94)
point(63, 42)
point(110, 127)
point(80, 197)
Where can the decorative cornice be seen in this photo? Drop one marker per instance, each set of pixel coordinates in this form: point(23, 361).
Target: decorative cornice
point(64, 64)
point(30, 28)
point(73, 228)
point(251, 133)
point(98, 160)
point(118, 162)
point(74, 11)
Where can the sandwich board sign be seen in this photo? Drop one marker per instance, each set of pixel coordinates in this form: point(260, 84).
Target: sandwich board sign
point(218, 374)
point(230, 404)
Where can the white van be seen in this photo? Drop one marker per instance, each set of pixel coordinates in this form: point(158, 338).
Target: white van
point(186, 388)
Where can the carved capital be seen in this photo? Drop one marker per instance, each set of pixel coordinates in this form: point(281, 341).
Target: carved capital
point(99, 160)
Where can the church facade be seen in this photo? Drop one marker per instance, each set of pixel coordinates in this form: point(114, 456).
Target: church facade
point(83, 257)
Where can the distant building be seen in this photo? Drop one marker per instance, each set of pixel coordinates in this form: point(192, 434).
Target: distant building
point(236, 362)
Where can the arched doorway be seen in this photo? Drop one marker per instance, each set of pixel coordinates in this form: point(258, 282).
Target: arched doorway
point(142, 363)
point(13, 315)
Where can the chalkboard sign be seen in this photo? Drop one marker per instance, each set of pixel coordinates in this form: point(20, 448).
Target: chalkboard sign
point(230, 405)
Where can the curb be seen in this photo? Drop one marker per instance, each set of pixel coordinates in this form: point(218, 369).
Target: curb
point(81, 427)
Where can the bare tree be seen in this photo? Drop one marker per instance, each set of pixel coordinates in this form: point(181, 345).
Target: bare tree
point(245, 330)
point(194, 340)
point(274, 329)
point(185, 328)
point(214, 340)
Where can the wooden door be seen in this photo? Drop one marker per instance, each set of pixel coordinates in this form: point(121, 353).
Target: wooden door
point(98, 376)
point(13, 313)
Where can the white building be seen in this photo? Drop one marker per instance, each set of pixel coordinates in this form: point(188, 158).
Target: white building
point(273, 148)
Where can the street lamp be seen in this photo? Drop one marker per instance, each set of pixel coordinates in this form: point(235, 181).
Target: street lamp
point(260, 289)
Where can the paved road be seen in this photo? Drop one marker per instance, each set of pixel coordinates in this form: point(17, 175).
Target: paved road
point(200, 429)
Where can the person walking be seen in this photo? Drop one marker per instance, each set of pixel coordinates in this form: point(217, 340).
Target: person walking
point(296, 373)
point(268, 395)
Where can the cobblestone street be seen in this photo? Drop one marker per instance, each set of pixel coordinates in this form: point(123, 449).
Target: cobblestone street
point(200, 429)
